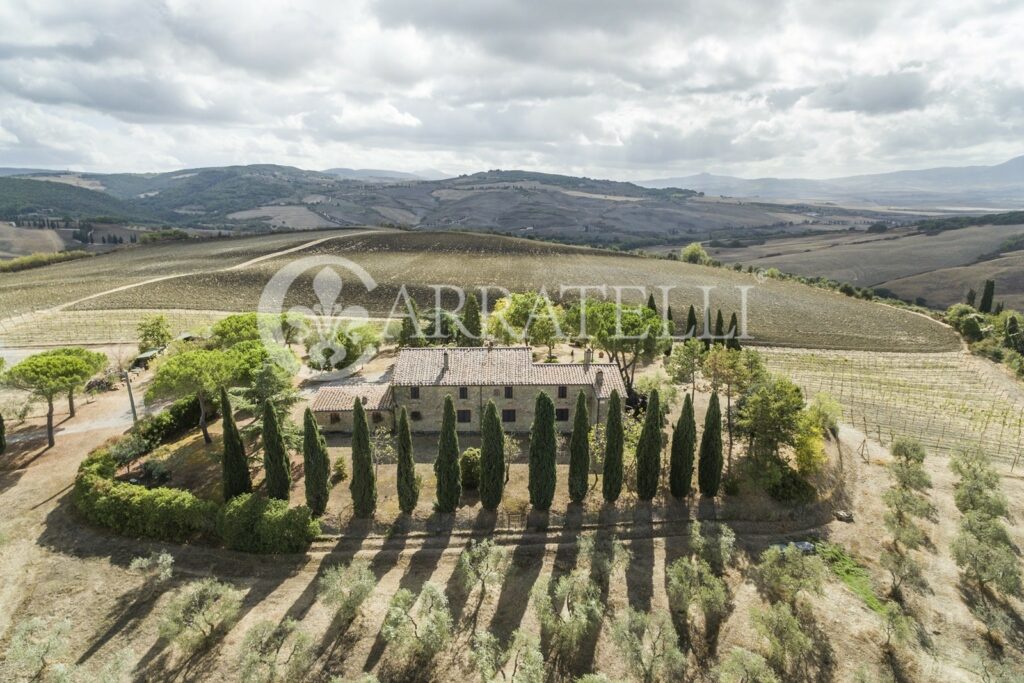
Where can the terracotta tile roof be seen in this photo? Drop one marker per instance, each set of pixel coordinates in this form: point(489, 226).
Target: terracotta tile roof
point(498, 366)
point(342, 397)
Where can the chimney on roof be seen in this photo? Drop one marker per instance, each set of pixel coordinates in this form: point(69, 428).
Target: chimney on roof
point(588, 356)
point(363, 399)
point(444, 365)
point(599, 378)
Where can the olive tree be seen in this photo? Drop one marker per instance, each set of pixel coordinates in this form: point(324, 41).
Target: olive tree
point(649, 646)
point(567, 615)
point(518, 662)
point(983, 548)
point(906, 501)
point(344, 588)
point(418, 627)
point(275, 652)
point(481, 565)
point(202, 611)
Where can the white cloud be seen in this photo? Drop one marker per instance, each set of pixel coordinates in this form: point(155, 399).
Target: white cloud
point(599, 87)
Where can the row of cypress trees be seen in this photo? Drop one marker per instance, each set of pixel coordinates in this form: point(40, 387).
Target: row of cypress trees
point(276, 465)
point(729, 335)
point(543, 449)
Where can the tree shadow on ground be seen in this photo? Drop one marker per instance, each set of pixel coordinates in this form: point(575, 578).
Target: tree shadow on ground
point(456, 590)
point(157, 662)
point(421, 566)
point(1001, 619)
point(524, 569)
point(822, 656)
point(129, 610)
point(604, 543)
point(677, 547)
point(339, 635)
point(900, 673)
point(343, 552)
point(566, 556)
point(640, 573)
point(64, 533)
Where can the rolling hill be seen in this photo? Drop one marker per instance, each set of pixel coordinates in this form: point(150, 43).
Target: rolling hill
point(209, 275)
point(20, 196)
point(564, 208)
point(998, 186)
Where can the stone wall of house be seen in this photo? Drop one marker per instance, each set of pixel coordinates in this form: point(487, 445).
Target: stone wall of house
point(425, 411)
point(341, 421)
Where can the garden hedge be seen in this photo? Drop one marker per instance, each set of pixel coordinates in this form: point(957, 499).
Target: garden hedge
point(254, 524)
point(160, 513)
point(250, 523)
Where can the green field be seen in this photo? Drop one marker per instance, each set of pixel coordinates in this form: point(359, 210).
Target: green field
point(780, 313)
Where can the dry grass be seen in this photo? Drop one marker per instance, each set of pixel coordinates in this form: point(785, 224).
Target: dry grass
point(23, 241)
point(947, 286)
point(296, 217)
point(784, 313)
point(870, 260)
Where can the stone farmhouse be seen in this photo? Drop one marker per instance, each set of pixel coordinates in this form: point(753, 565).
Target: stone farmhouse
point(472, 376)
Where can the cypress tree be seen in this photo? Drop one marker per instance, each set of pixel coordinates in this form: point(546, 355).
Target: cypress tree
point(986, 296)
point(734, 330)
point(446, 467)
point(542, 453)
point(364, 481)
point(317, 465)
point(579, 451)
point(709, 469)
point(235, 476)
point(972, 297)
point(719, 328)
point(408, 482)
point(684, 443)
point(691, 323)
point(275, 455)
point(650, 302)
point(471, 321)
point(1012, 337)
point(492, 459)
point(611, 484)
point(648, 451)
point(3, 436)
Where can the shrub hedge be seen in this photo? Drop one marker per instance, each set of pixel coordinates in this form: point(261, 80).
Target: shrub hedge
point(180, 417)
point(250, 523)
point(254, 524)
point(160, 513)
point(469, 463)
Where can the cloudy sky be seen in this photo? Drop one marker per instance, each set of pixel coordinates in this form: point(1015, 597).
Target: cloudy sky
point(604, 88)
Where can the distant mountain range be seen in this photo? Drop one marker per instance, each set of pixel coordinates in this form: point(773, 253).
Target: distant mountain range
point(571, 209)
point(384, 176)
point(1000, 186)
